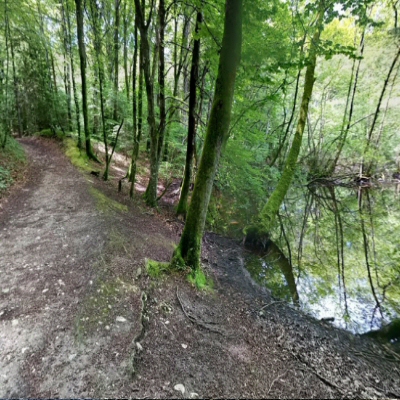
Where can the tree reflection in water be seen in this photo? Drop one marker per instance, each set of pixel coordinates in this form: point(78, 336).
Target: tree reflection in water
point(340, 249)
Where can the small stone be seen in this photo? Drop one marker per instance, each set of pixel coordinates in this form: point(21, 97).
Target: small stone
point(24, 349)
point(6, 290)
point(121, 319)
point(71, 357)
point(139, 346)
point(184, 345)
point(193, 395)
point(180, 388)
point(107, 328)
point(14, 322)
point(166, 322)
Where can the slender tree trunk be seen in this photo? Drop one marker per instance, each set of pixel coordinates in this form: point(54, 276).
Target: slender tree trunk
point(82, 57)
point(377, 111)
point(100, 73)
point(353, 89)
point(189, 249)
point(71, 55)
point(15, 80)
point(126, 70)
point(271, 208)
point(6, 122)
point(178, 66)
point(67, 76)
point(194, 73)
point(151, 191)
point(161, 78)
point(136, 132)
point(116, 58)
point(289, 124)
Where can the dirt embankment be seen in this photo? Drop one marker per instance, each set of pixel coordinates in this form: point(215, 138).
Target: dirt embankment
point(79, 317)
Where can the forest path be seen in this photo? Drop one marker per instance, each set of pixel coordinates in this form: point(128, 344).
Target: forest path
point(49, 232)
point(80, 317)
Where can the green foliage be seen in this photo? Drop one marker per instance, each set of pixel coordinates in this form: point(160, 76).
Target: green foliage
point(51, 133)
point(12, 163)
point(156, 269)
point(5, 178)
point(199, 279)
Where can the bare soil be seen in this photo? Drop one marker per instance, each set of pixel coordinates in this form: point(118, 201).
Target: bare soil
point(80, 317)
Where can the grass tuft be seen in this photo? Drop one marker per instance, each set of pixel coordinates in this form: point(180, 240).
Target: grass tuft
point(155, 268)
point(199, 279)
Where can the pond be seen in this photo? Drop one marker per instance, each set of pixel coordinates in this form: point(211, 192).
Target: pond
point(336, 254)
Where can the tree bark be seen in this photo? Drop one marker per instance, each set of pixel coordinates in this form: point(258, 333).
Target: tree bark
point(151, 192)
point(194, 73)
point(100, 73)
point(137, 124)
point(82, 57)
point(189, 250)
point(116, 58)
point(71, 55)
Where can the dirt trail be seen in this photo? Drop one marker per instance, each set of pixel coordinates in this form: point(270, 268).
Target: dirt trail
point(79, 317)
point(49, 233)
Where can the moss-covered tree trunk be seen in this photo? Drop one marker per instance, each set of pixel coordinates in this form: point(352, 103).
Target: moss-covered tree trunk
point(82, 57)
point(271, 208)
point(189, 249)
point(194, 72)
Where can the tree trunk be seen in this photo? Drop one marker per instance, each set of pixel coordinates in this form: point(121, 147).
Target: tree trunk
point(349, 102)
point(6, 122)
point(189, 249)
point(67, 75)
point(151, 191)
point(100, 72)
point(82, 57)
point(71, 55)
point(136, 134)
point(367, 170)
point(271, 208)
point(194, 72)
point(15, 79)
point(126, 71)
point(116, 58)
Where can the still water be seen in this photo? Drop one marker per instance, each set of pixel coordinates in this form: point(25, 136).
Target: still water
point(337, 250)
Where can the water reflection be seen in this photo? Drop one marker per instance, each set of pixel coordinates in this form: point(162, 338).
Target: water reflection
point(343, 251)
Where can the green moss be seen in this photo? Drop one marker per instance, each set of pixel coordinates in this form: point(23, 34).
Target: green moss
point(78, 157)
point(96, 309)
point(177, 262)
point(155, 268)
point(199, 279)
point(105, 204)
